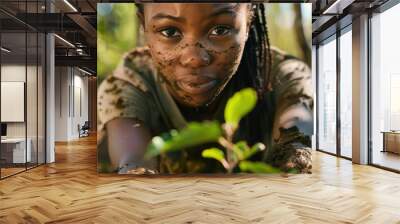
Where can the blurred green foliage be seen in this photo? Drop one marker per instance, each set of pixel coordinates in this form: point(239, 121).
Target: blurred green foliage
point(198, 133)
point(194, 134)
point(118, 30)
point(284, 21)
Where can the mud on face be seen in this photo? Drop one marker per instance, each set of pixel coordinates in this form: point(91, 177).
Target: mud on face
point(197, 48)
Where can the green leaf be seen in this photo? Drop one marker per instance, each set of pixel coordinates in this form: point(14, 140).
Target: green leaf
point(257, 167)
point(194, 134)
point(217, 154)
point(156, 145)
point(243, 151)
point(213, 153)
point(254, 149)
point(239, 105)
point(240, 148)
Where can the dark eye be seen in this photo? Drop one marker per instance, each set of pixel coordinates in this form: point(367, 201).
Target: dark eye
point(170, 32)
point(220, 31)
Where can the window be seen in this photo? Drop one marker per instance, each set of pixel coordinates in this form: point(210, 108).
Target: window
point(385, 88)
point(22, 78)
point(346, 93)
point(327, 96)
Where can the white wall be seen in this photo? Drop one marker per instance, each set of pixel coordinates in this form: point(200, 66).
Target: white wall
point(13, 73)
point(33, 127)
point(61, 103)
point(71, 94)
point(80, 109)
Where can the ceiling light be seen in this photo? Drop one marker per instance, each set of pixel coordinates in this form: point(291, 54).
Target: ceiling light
point(337, 7)
point(64, 40)
point(5, 50)
point(329, 9)
point(84, 71)
point(70, 5)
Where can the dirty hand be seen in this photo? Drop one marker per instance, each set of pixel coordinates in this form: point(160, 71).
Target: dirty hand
point(291, 156)
point(299, 159)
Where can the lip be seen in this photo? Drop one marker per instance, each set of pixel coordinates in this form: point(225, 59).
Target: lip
point(198, 85)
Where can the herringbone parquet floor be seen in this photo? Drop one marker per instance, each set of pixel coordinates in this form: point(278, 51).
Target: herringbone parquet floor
point(70, 191)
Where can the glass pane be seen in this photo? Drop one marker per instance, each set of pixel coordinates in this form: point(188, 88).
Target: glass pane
point(22, 79)
point(13, 85)
point(314, 78)
point(386, 89)
point(41, 99)
point(31, 97)
point(327, 96)
point(346, 94)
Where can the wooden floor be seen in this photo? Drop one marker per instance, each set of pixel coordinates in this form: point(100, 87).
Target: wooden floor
point(387, 159)
point(10, 171)
point(70, 191)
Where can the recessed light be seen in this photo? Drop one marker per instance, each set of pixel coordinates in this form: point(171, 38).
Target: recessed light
point(84, 71)
point(5, 50)
point(64, 40)
point(70, 5)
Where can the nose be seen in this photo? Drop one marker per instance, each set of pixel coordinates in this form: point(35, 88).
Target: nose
point(195, 56)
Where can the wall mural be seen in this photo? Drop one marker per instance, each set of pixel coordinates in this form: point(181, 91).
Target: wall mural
point(204, 88)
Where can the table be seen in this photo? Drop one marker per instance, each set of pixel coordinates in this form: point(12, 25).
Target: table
point(16, 147)
point(391, 141)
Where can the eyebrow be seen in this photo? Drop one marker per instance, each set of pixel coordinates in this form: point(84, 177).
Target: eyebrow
point(166, 16)
point(226, 10)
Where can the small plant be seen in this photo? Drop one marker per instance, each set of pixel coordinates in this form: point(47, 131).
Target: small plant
point(196, 133)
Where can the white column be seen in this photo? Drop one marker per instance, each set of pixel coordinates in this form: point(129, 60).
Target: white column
point(360, 90)
point(50, 94)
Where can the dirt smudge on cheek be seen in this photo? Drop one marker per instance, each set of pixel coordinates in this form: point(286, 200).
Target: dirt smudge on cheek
point(231, 58)
point(228, 65)
point(182, 95)
point(227, 50)
point(171, 82)
point(166, 57)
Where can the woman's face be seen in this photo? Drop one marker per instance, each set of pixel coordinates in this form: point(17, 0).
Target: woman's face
point(196, 47)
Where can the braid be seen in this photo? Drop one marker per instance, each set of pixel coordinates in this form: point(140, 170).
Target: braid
point(262, 49)
point(268, 49)
point(256, 61)
point(255, 71)
point(260, 52)
point(139, 7)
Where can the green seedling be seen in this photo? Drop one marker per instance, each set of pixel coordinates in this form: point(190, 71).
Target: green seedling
point(232, 155)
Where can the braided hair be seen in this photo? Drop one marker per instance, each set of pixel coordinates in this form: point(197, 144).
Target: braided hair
point(255, 71)
point(257, 54)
